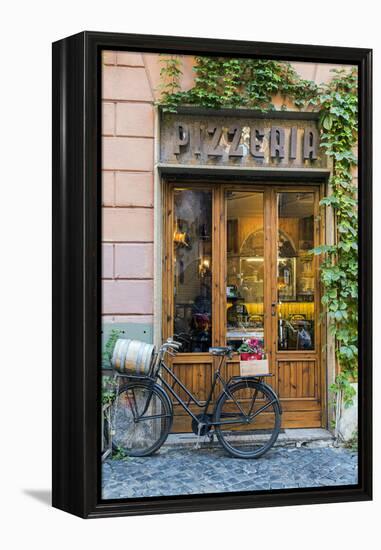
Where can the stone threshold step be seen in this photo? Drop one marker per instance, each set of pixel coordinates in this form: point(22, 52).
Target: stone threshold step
point(290, 437)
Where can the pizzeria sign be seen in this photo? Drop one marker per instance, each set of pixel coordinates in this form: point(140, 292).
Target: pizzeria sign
point(246, 141)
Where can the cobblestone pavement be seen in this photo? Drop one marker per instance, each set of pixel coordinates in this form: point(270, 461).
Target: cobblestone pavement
point(174, 471)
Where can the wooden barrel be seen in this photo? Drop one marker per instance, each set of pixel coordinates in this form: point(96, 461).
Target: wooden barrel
point(132, 357)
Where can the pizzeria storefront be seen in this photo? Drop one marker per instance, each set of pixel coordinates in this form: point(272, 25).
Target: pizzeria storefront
point(238, 194)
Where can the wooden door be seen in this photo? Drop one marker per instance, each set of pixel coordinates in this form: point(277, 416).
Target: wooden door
point(191, 287)
point(252, 241)
point(295, 307)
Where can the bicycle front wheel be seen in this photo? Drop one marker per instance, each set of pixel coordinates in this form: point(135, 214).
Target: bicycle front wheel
point(141, 419)
point(248, 419)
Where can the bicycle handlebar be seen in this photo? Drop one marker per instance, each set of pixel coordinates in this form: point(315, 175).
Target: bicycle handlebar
point(171, 345)
point(174, 343)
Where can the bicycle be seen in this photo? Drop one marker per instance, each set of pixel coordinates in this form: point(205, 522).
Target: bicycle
point(246, 417)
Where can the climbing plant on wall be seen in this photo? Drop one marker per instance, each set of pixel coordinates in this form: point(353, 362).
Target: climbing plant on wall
point(224, 82)
point(339, 270)
point(253, 83)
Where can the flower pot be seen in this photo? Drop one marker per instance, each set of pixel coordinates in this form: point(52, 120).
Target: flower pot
point(247, 356)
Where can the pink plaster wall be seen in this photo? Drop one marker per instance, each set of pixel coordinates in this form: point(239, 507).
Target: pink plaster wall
point(127, 225)
point(130, 87)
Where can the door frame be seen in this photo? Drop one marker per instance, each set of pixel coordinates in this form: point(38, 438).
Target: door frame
point(269, 190)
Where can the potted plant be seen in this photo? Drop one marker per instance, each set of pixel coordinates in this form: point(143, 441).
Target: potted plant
point(252, 358)
point(251, 349)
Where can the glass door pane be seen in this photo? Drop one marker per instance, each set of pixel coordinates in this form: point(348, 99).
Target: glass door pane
point(245, 268)
point(295, 271)
point(192, 242)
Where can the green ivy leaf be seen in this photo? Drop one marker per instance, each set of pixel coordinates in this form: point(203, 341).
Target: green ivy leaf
point(327, 122)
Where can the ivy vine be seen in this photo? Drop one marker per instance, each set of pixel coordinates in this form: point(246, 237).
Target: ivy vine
point(229, 83)
point(339, 269)
point(253, 83)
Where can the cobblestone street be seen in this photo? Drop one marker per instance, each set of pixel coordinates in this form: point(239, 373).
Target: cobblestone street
point(186, 470)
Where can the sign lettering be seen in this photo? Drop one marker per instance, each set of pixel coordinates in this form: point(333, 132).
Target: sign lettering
point(182, 138)
point(247, 142)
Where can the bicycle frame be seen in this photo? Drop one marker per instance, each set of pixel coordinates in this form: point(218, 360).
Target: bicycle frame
point(192, 398)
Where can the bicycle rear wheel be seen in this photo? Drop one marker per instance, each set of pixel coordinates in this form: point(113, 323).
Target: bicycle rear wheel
point(140, 430)
point(250, 419)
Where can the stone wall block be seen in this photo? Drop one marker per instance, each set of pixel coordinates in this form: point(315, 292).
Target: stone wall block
point(108, 188)
point(131, 59)
point(134, 189)
point(127, 297)
point(107, 261)
point(108, 119)
point(134, 261)
point(126, 83)
point(134, 119)
point(122, 153)
point(127, 224)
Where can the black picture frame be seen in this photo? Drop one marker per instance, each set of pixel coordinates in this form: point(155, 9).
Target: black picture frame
point(77, 270)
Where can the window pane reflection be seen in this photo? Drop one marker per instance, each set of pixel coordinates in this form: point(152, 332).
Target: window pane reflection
point(245, 268)
point(296, 282)
point(192, 241)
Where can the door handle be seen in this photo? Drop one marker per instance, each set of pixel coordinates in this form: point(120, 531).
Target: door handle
point(273, 308)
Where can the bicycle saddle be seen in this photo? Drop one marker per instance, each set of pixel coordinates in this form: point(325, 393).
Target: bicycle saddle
point(220, 350)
